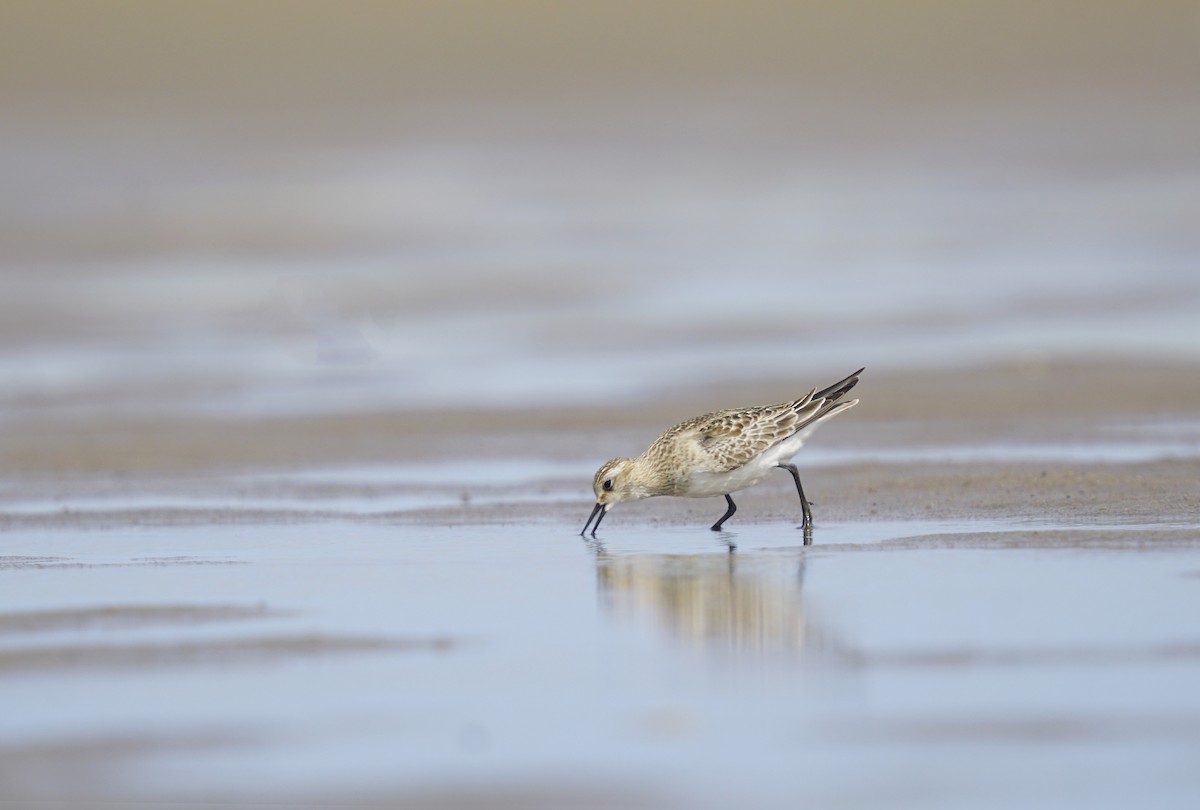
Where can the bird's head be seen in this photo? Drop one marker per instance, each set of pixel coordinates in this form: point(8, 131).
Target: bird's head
point(615, 482)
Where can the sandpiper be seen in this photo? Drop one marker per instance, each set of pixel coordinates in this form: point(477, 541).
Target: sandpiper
point(719, 453)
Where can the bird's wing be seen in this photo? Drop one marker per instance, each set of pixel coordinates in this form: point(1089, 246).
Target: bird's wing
point(729, 439)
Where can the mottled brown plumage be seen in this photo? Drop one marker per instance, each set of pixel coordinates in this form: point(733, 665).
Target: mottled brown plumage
point(720, 452)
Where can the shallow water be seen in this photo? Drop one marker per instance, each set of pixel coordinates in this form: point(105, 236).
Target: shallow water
point(347, 660)
point(544, 265)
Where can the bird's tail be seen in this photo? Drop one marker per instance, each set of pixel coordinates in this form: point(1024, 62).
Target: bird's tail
point(836, 391)
point(830, 407)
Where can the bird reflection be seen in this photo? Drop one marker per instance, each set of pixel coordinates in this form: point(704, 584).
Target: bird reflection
point(728, 601)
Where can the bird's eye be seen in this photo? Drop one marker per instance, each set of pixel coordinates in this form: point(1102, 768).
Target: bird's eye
point(607, 485)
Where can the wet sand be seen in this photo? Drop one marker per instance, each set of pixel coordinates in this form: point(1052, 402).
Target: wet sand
point(1070, 441)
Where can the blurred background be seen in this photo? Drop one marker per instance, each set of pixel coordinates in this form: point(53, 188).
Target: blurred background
point(317, 318)
point(243, 209)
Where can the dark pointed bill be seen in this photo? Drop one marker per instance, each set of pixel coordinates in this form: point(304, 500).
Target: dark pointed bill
point(598, 515)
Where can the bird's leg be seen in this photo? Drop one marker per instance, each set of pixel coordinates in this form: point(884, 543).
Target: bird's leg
point(716, 527)
point(807, 522)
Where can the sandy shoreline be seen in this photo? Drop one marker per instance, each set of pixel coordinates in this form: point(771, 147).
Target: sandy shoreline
point(1155, 492)
point(109, 459)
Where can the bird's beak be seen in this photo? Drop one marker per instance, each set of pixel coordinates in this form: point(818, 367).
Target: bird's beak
point(598, 513)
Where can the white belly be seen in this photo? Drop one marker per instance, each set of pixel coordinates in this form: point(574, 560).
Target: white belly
point(706, 485)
